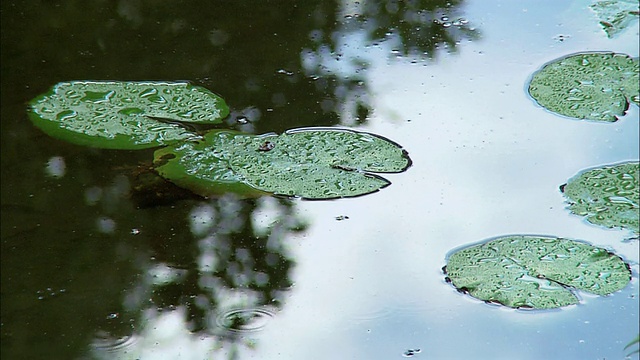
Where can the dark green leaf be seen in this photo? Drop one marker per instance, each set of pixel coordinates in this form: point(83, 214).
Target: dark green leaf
point(125, 115)
point(314, 163)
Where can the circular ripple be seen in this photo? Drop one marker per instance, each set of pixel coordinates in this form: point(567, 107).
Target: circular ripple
point(105, 343)
point(244, 320)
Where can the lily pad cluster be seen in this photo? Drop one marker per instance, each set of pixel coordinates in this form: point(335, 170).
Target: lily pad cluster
point(593, 86)
point(525, 271)
point(537, 272)
point(313, 163)
point(608, 196)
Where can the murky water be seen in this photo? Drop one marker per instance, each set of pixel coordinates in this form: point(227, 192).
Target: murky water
point(97, 265)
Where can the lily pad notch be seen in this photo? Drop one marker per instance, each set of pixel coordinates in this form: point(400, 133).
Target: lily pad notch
point(125, 115)
point(310, 163)
point(535, 272)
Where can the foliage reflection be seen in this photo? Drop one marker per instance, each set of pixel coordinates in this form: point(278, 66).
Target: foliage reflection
point(234, 276)
point(279, 64)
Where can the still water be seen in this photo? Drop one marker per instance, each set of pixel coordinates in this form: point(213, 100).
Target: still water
point(96, 267)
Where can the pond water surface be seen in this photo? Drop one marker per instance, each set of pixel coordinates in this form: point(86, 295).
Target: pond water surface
point(94, 268)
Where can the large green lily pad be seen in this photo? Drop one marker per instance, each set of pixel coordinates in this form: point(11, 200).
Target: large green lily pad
point(607, 196)
point(592, 86)
point(538, 272)
point(312, 163)
point(125, 115)
point(616, 15)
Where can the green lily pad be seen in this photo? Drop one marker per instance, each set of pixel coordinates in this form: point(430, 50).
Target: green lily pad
point(125, 115)
point(312, 163)
point(592, 86)
point(616, 15)
point(524, 271)
point(607, 196)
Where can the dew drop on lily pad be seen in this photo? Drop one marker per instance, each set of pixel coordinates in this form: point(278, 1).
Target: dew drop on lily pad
point(607, 196)
point(125, 115)
point(537, 272)
point(312, 163)
point(594, 86)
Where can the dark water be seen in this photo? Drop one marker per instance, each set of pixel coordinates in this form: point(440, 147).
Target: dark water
point(93, 267)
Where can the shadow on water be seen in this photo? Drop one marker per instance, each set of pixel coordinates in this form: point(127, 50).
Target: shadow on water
point(81, 264)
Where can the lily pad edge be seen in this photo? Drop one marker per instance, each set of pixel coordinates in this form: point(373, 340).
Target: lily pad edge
point(247, 190)
point(575, 291)
point(527, 85)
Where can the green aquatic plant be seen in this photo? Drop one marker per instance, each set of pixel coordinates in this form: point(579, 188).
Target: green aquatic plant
point(608, 196)
point(125, 115)
point(525, 271)
point(616, 15)
point(592, 86)
point(312, 163)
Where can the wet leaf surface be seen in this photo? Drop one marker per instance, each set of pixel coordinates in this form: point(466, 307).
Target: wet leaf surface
point(607, 196)
point(592, 86)
point(312, 163)
point(125, 115)
point(536, 272)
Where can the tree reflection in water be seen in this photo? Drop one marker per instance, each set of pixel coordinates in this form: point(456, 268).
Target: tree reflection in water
point(280, 64)
point(339, 58)
point(237, 271)
point(318, 65)
point(235, 281)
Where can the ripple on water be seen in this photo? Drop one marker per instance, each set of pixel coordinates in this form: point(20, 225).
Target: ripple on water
point(244, 320)
point(105, 343)
point(369, 312)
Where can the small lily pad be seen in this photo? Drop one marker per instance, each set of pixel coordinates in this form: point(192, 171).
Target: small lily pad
point(538, 272)
point(592, 86)
point(607, 196)
point(125, 115)
point(616, 15)
point(312, 163)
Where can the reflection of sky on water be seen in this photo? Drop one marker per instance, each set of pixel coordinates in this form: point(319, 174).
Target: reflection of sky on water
point(81, 257)
point(487, 162)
